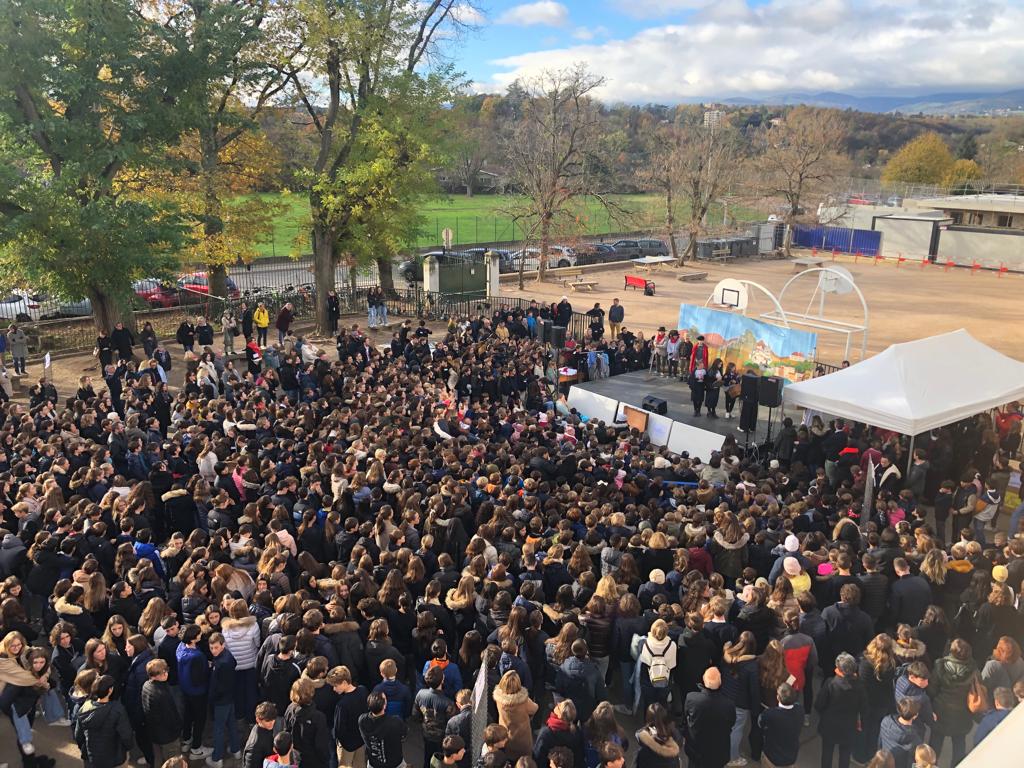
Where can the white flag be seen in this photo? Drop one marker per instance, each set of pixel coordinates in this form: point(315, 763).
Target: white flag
point(46, 360)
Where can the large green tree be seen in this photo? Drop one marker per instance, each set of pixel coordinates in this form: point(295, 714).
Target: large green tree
point(89, 90)
point(371, 89)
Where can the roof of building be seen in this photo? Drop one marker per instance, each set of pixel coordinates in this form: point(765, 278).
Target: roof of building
point(993, 203)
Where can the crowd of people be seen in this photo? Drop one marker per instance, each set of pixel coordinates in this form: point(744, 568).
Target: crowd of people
point(327, 560)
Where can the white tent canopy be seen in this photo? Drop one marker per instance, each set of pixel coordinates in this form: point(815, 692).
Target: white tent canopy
point(917, 386)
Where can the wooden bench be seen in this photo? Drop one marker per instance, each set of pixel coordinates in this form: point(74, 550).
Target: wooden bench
point(570, 272)
point(635, 281)
point(580, 285)
point(799, 265)
point(692, 277)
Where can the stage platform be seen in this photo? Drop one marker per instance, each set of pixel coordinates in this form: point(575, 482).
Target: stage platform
point(632, 388)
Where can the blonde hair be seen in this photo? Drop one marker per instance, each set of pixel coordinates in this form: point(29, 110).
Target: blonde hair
point(510, 683)
point(659, 629)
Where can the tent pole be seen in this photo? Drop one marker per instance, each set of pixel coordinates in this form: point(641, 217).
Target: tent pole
point(910, 458)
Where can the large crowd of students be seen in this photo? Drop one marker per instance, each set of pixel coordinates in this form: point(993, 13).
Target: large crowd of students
point(314, 561)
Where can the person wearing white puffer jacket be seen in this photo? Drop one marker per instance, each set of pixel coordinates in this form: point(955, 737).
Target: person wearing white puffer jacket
point(242, 638)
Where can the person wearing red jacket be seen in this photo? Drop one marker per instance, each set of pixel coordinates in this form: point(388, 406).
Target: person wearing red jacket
point(699, 355)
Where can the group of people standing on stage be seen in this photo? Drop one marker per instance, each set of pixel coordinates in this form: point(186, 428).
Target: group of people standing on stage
point(675, 355)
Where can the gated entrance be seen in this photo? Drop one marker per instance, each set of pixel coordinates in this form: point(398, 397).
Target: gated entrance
point(462, 275)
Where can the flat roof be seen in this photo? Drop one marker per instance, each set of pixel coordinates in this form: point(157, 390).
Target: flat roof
point(922, 216)
point(993, 203)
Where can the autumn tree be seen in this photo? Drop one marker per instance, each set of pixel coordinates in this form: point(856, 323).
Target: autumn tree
point(690, 165)
point(923, 160)
point(552, 153)
point(89, 91)
point(372, 99)
point(244, 53)
point(797, 158)
point(960, 174)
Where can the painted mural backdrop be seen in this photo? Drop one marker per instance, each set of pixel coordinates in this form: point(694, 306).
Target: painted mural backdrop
point(768, 349)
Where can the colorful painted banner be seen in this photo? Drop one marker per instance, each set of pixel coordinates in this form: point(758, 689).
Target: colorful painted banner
point(768, 349)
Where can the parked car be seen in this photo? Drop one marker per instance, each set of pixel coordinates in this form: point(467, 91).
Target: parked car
point(558, 256)
point(636, 249)
point(157, 294)
point(70, 308)
point(597, 253)
point(22, 306)
point(197, 284)
point(895, 201)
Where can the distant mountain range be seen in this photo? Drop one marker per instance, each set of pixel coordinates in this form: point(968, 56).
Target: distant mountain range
point(967, 103)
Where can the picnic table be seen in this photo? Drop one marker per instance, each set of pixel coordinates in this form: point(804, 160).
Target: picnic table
point(650, 263)
point(808, 262)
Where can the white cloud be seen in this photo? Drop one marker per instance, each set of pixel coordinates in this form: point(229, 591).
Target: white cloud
point(789, 45)
point(589, 33)
point(545, 12)
point(467, 14)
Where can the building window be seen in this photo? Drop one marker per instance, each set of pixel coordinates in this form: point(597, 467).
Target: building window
point(1004, 220)
point(957, 217)
point(976, 219)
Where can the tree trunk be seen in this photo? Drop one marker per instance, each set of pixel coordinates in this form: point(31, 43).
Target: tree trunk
point(106, 311)
point(324, 262)
point(386, 276)
point(787, 240)
point(691, 247)
point(670, 226)
point(469, 188)
point(218, 276)
point(213, 223)
point(522, 268)
point(545, 243)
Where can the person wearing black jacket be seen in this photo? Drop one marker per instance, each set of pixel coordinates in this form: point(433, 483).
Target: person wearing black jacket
point(311, 735)
point(122, 340)
point(222, 701)
point(781, 727)
point(909, 597)
point(160, 712)
point(841, 704)
point(616, 314)
point(350, 707)
point(709, 718)
point(383, 734)
point(849, 628)
point(260, 744)
point(102, 729)
point(279, 672)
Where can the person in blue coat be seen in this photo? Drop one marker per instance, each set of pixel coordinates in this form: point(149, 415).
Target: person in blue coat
point(194, 679)
point(1004, 702)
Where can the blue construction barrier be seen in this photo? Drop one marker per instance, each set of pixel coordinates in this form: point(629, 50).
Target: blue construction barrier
point(866, 242)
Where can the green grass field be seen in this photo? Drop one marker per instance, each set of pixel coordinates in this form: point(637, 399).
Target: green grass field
point(485, 219)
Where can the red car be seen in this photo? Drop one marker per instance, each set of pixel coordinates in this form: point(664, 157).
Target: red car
point(156, 294)
point(199, 283)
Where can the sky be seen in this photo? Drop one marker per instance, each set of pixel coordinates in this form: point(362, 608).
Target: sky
point(669, 51)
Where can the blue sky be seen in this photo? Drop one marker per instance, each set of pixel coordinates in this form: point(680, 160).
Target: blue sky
point(680, 50)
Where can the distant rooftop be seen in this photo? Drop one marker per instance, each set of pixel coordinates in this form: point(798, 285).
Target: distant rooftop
point(987, 202)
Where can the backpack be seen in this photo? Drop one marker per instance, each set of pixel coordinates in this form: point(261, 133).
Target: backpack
point(657, 671)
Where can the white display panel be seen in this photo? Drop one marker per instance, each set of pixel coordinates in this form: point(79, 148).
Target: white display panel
point(697, 442)
point(593, 405)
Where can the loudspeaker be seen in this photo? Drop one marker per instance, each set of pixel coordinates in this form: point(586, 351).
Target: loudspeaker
point(655, 405)
point(557, 336)
point(769, 392)
point(545, 331)
point(748, 386)
point(748, 416)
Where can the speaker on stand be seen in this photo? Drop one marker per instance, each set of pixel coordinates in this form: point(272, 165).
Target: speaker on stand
point(557, 336)
point(769, 394)
point(545, 331)
point(748, 407)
